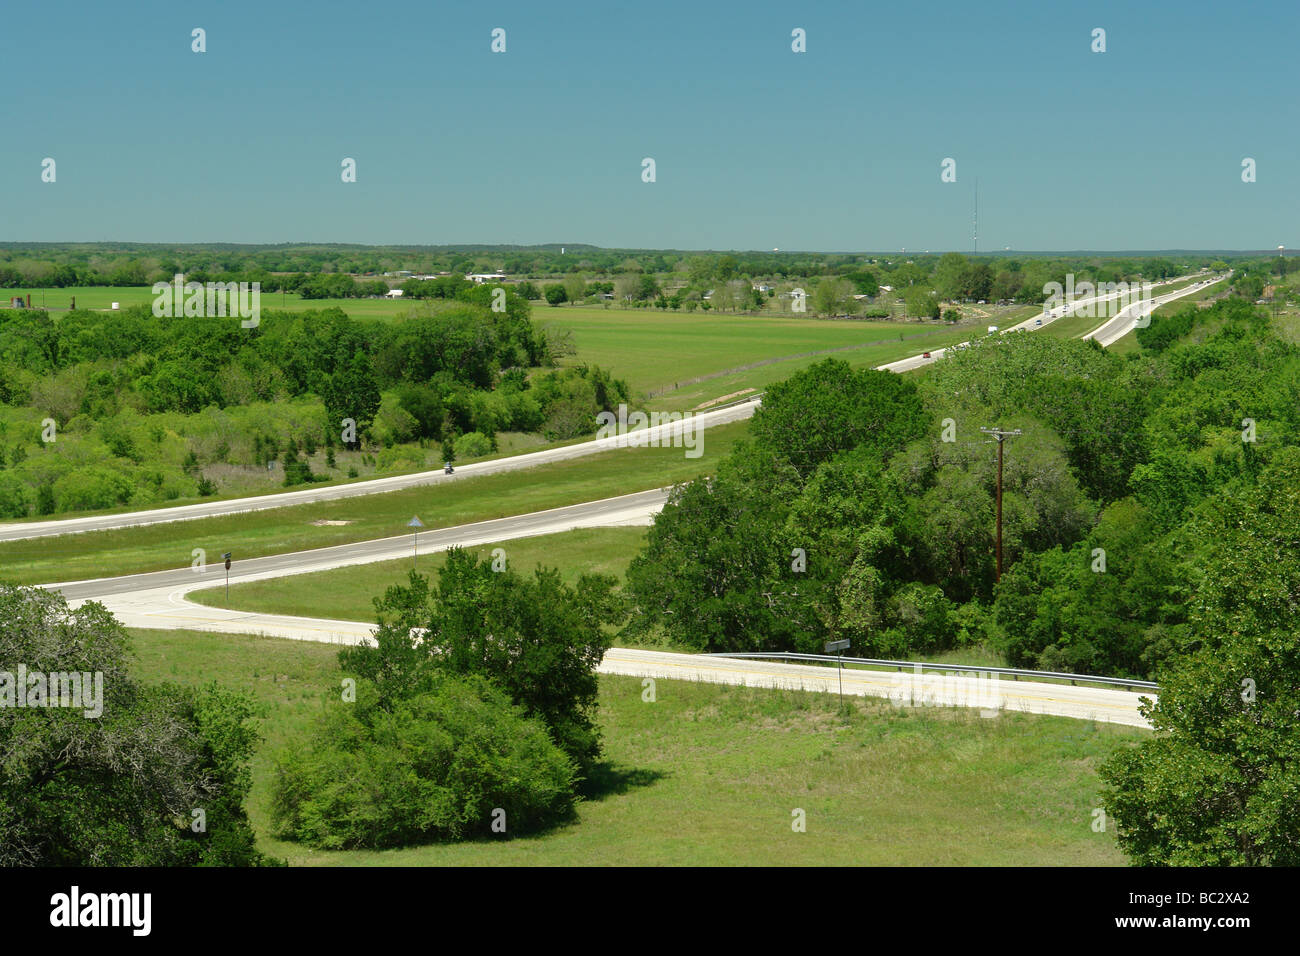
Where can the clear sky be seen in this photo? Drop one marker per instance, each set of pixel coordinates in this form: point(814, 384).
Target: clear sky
point(756, 147)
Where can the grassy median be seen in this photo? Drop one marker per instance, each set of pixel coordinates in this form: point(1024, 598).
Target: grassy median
point(279, 530)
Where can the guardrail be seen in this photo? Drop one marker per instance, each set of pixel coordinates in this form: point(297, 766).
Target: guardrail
point(1012, 672)
point(740, 401)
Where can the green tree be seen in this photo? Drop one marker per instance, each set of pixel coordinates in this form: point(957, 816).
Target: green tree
point(537, 638)
point(118, 789)
point(440, 764)
point(1216, 784)
point(830, 407)
point(353, 393)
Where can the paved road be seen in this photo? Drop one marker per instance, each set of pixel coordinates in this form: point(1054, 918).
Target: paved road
point(633, 509)
point(1047, 318)
point(661, 434)
point(158, 600)
point(1127, 320)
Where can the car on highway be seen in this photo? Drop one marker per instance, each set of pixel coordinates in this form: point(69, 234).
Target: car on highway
point(925, 355)
point(1038, 321)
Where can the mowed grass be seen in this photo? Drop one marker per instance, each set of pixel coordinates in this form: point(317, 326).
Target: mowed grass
point(103, 297)
point(278, 530)
point(712, 775)
point(653, 350)
point(351, 590)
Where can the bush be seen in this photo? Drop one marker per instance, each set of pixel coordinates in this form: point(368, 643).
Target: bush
point(401, 457)
point(13, 497)
point(473, 445)
point(433, 767)
point(91, 488)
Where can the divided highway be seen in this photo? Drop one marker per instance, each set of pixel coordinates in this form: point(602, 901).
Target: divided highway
point(660, 433)
point(158, 599)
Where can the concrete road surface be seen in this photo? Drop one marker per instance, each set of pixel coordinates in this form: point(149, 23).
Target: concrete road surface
point(662, 434)
point(157, 600)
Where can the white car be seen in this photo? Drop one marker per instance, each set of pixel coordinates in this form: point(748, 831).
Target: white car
point(993, 328)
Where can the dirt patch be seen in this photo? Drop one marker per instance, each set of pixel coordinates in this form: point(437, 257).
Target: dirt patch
point(326, 523)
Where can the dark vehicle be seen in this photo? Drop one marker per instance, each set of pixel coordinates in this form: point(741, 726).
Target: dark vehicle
point(446, 468)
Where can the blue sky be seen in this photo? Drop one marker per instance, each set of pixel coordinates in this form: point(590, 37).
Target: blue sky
point(756, 147)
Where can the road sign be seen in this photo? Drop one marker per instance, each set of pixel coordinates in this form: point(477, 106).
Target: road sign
point(839, 647)
point(416, 524)
point(226, 556)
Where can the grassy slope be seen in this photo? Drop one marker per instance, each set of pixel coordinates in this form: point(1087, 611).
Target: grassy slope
point(710, 774)
point(278, 530)
point(350, 590)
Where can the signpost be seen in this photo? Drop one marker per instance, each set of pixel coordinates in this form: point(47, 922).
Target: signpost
point(416, 524)
point(226, 556)
point(839, 647)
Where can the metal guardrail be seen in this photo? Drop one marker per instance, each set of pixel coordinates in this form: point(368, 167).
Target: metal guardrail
point(1012, 672)
point(740, 401)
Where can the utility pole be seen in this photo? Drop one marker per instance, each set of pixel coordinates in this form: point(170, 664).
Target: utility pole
point(1000, 435)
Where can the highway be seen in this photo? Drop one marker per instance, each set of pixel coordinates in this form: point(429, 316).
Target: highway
point(661, 434)
point(1127, 315)
point(1128, 318)
point(158, 600)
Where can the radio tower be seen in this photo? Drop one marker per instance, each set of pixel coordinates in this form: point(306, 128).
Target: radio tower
point(975, 223)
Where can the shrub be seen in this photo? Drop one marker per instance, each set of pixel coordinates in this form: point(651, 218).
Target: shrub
point(473, 445)
point(435, 766)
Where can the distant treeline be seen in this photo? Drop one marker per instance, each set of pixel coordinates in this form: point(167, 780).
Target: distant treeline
point(63, 265)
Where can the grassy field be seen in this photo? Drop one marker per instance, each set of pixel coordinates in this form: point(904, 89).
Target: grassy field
point(103, 297)
point(710, 775)
point(655, 350)
point(350, 590)
point(156, 547)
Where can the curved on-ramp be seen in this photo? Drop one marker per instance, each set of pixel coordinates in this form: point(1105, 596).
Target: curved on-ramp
point(158, 600)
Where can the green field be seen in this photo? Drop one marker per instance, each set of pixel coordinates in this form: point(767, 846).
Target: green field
point(103, 297)
point(710, 775)
point(653, 350)
point(278, 530)
point(656, 350)
point(351, 589)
